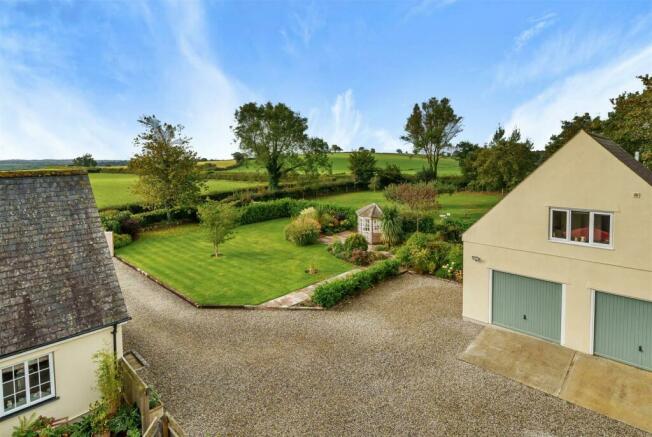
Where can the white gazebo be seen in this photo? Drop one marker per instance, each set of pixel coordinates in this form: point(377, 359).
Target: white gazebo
point(370, 218)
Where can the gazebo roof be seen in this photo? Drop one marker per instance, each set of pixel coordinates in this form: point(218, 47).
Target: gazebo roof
point(370, 211)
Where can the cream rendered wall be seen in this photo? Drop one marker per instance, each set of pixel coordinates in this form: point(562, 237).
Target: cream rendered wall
point(74, 375)
point(513, 236)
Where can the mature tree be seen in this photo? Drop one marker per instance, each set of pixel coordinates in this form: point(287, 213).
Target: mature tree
point(276, 137)
point(218, 219)
point(239, 157)
point(166, 164)
point(335, 148)
point(430, 129)
point(569, 128)
point(85, 160)
point(420, 197)
point(630, 121)
point(504, 162)
point(362, 165)
point(465, 152)
point(399, 151)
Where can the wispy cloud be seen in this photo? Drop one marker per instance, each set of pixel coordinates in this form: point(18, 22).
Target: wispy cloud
point(586, 91)
point(345, 126)
point(424, 7)
point(536, 28)
point(301, 28)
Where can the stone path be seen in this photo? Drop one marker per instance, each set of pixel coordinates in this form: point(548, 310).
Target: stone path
point(296, 298)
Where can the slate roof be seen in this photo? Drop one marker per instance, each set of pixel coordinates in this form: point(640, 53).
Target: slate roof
point(371, 211)
point(57, 278)
point(624, 157)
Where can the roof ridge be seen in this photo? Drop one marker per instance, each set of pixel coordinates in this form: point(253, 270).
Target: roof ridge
point(622, 155)
point(41, 173)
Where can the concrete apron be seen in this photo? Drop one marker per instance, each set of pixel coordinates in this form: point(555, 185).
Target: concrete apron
point(616, 390)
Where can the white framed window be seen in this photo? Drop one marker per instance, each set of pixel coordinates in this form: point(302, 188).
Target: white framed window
point(581, 227)
point(26, 384)
point(365, 224)
point(376, 226)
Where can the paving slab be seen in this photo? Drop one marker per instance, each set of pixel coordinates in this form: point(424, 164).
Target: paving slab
point(616, 390)
point(525, 359)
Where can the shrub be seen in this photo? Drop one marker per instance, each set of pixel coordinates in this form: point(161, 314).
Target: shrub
point(392, 227)
point(126, 419)
point(451, 229)
point(391, 174)
point(423, 253)
point(179, 214)
point(409, 222)
point(121, 240)
point(360, 257)
point(355, 241)
point(303, 231)
point(112, 220)
point(329, 294)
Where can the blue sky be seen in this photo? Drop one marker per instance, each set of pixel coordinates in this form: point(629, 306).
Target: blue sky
point(75, 76)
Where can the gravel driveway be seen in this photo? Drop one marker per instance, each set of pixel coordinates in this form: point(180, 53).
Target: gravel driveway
point(384, 363)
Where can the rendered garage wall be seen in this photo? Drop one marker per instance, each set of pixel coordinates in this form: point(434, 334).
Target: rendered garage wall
point(513, 236)
point(74, 375)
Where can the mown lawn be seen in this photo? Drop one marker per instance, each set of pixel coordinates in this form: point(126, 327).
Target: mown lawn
point(116, 189)
point(257, 265)
point(407, 163)
point(464, 205)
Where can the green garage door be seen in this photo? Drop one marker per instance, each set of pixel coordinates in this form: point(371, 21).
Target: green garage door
point(526, 304)
point(623, 329)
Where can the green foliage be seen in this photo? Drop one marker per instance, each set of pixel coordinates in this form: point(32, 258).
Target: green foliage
point(169, 175)
point(374, 183)
point(431, 128)
point(276, 137)
point(329, 294)
point(504, 163)
point(450, 228)
point(108, 380)
point(570, 128)
point(392, 226)
point(303, 231)
point(363, 166)
point(355, 241)
point(121, 240)
point(177, 214)
point(85, 160)
point(154, 398)
point(421, 197)
point(391, 174)
point(341, 218)
point(629, 123)
point(423, 253)
point(126, 419)
point(239, 158)
point(218, 219)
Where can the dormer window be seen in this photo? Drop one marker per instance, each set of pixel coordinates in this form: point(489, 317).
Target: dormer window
point(582, 227)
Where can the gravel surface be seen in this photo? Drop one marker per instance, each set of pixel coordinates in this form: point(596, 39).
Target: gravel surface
point(383, 363)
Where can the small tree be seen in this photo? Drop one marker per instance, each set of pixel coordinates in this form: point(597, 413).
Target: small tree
point(420, 198)
point(85, 160)
point(399, 151)
point(431, 128)
point(109, 382)
point(362, 165)
point(166, 164)
point(335, 148)
point(239, 157)
point(219, 220)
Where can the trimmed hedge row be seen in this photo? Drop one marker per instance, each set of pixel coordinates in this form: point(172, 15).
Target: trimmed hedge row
point(329, 294)
point(274, 209)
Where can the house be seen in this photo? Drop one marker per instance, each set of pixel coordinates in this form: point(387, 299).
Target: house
point(567, 255)
point(61, 302)
point(370, 220)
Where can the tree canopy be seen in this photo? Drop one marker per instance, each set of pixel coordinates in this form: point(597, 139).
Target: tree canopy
point(276, 137)
point(86, 160)
point(362, 165)
point(570, 128)
point(166, 164)
point(218, 219)
point(431, 128)
point(504, 162)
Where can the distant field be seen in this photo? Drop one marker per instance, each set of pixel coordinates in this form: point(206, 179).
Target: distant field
point(115, 189)
point(463, 205)
point(221, 163)
point(407, 163)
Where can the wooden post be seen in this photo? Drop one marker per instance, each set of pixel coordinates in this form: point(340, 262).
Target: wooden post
point(165, 422)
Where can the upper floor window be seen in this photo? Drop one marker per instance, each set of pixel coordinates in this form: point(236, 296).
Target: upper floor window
point(581, 227)
point(25, 384)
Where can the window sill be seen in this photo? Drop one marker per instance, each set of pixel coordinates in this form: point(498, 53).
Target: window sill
point(579, 244)
point(31, 407)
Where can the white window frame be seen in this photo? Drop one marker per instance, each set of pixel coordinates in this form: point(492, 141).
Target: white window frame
point(29, 403)
point(375, 225)
point(589, 243)
point(366, 224)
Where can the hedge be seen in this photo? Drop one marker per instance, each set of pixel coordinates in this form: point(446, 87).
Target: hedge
point(329, 294)
point(262, 211)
